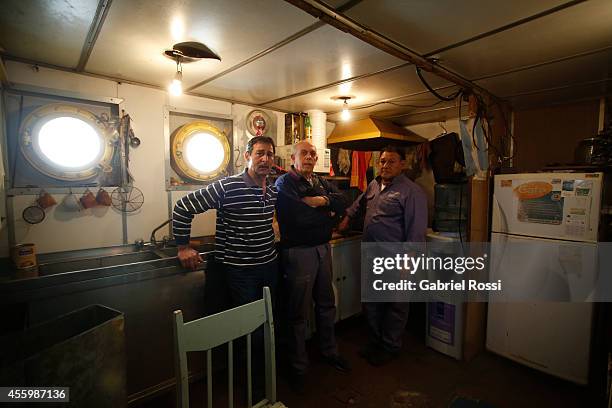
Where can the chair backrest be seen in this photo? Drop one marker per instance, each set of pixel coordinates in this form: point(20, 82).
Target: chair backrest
point(208, 332)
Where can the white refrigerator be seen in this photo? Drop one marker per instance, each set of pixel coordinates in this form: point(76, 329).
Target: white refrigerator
point(538, 209)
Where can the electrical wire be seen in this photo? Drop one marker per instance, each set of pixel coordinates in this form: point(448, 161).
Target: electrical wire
point(433, 91)
point(404, 105)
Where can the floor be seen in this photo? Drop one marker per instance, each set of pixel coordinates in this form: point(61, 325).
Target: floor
point(420, 378)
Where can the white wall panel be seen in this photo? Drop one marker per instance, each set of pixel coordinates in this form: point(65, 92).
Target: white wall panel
point(63, 230)
point(65, 81)
point(145, 107)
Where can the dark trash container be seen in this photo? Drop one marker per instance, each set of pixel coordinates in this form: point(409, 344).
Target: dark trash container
point(83, 350)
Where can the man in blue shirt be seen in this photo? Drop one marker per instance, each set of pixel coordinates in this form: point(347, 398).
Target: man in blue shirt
point(305, 207)
point(396, 211)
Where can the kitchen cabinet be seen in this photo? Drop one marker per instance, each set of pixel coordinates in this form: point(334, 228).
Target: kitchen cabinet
point(346, 264)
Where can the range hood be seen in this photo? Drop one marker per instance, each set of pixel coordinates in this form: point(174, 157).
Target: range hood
point(371, 134)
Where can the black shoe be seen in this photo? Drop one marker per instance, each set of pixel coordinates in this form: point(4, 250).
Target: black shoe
point(339, 363)
point(296, 383)
point(381, 357)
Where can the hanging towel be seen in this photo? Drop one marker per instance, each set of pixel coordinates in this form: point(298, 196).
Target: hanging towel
point(374, 163)
point(359, 167)
point(344, 160)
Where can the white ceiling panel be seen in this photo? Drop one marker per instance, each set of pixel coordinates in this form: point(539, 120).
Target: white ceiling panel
point(393, 84)
point(51, 31)
point(395, 112)
point(591, 67)
point(425, 25)
point(432, 115)
point(584, 27)
point(562, 95)
point(323, 56)
point(136, 33)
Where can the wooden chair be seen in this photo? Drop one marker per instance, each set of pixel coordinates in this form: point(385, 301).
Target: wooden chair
point(208, 332)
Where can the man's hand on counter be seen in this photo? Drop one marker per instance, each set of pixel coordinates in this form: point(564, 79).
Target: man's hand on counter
point(189, 257)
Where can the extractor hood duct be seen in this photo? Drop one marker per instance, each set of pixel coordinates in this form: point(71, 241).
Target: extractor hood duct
point(371, 134)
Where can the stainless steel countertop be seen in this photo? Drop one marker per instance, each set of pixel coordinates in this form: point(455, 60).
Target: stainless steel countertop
point(72, 271)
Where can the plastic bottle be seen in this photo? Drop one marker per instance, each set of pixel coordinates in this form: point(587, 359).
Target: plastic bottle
point(307, 128)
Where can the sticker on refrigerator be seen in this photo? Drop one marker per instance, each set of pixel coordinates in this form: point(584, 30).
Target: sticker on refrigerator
point(576, 221)
point(538, 203)
point(584, 188)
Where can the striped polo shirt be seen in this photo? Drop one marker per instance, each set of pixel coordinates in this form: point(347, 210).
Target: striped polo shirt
point(244, 233)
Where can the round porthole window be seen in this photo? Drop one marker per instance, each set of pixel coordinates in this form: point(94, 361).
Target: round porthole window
point(200, 151)
point(65, 142)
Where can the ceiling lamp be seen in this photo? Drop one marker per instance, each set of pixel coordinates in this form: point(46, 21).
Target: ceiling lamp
point(346, 114)
point(176, 86)
point(183, 53)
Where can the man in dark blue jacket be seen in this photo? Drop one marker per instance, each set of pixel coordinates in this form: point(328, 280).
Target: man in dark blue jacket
point(306, 204)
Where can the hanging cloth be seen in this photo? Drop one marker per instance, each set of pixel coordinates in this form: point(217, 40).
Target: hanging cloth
point(374, 163)
point(359, 167)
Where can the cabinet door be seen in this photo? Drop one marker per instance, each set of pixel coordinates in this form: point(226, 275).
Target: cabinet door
point(350, 299)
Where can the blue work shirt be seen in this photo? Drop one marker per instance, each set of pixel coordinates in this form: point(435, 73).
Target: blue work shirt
point(398, 213)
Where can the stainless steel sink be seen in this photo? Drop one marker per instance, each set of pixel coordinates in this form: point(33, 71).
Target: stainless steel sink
point(96, 263)
point(172, 251)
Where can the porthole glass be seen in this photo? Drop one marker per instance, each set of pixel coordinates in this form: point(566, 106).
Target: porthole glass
point(66, 142)
point(200, 151)
point(204, 152)
point(69, 142)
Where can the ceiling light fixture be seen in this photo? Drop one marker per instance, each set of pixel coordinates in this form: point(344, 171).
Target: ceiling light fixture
point(346, 113)
point(183, 53)
point(176, 86)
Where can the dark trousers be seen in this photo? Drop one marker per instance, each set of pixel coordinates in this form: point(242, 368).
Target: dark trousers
point(245, 285)
point(308, 277)
point(387, 323)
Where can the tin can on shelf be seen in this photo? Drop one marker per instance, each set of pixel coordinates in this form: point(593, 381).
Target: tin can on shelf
point(24, 256)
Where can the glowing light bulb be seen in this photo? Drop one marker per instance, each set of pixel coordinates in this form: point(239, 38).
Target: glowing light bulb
point(176, 87)
point(345, 115)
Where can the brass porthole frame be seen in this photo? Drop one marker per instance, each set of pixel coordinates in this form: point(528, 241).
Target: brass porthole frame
point(29, 133)
point(182, 135)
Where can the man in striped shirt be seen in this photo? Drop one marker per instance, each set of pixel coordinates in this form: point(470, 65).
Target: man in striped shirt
point(244, 239)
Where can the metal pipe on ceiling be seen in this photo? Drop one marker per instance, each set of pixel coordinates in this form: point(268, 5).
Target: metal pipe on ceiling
point(94, 31)
point(346, 24)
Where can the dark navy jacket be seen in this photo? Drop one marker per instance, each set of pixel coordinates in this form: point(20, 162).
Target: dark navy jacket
point(300, 224)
